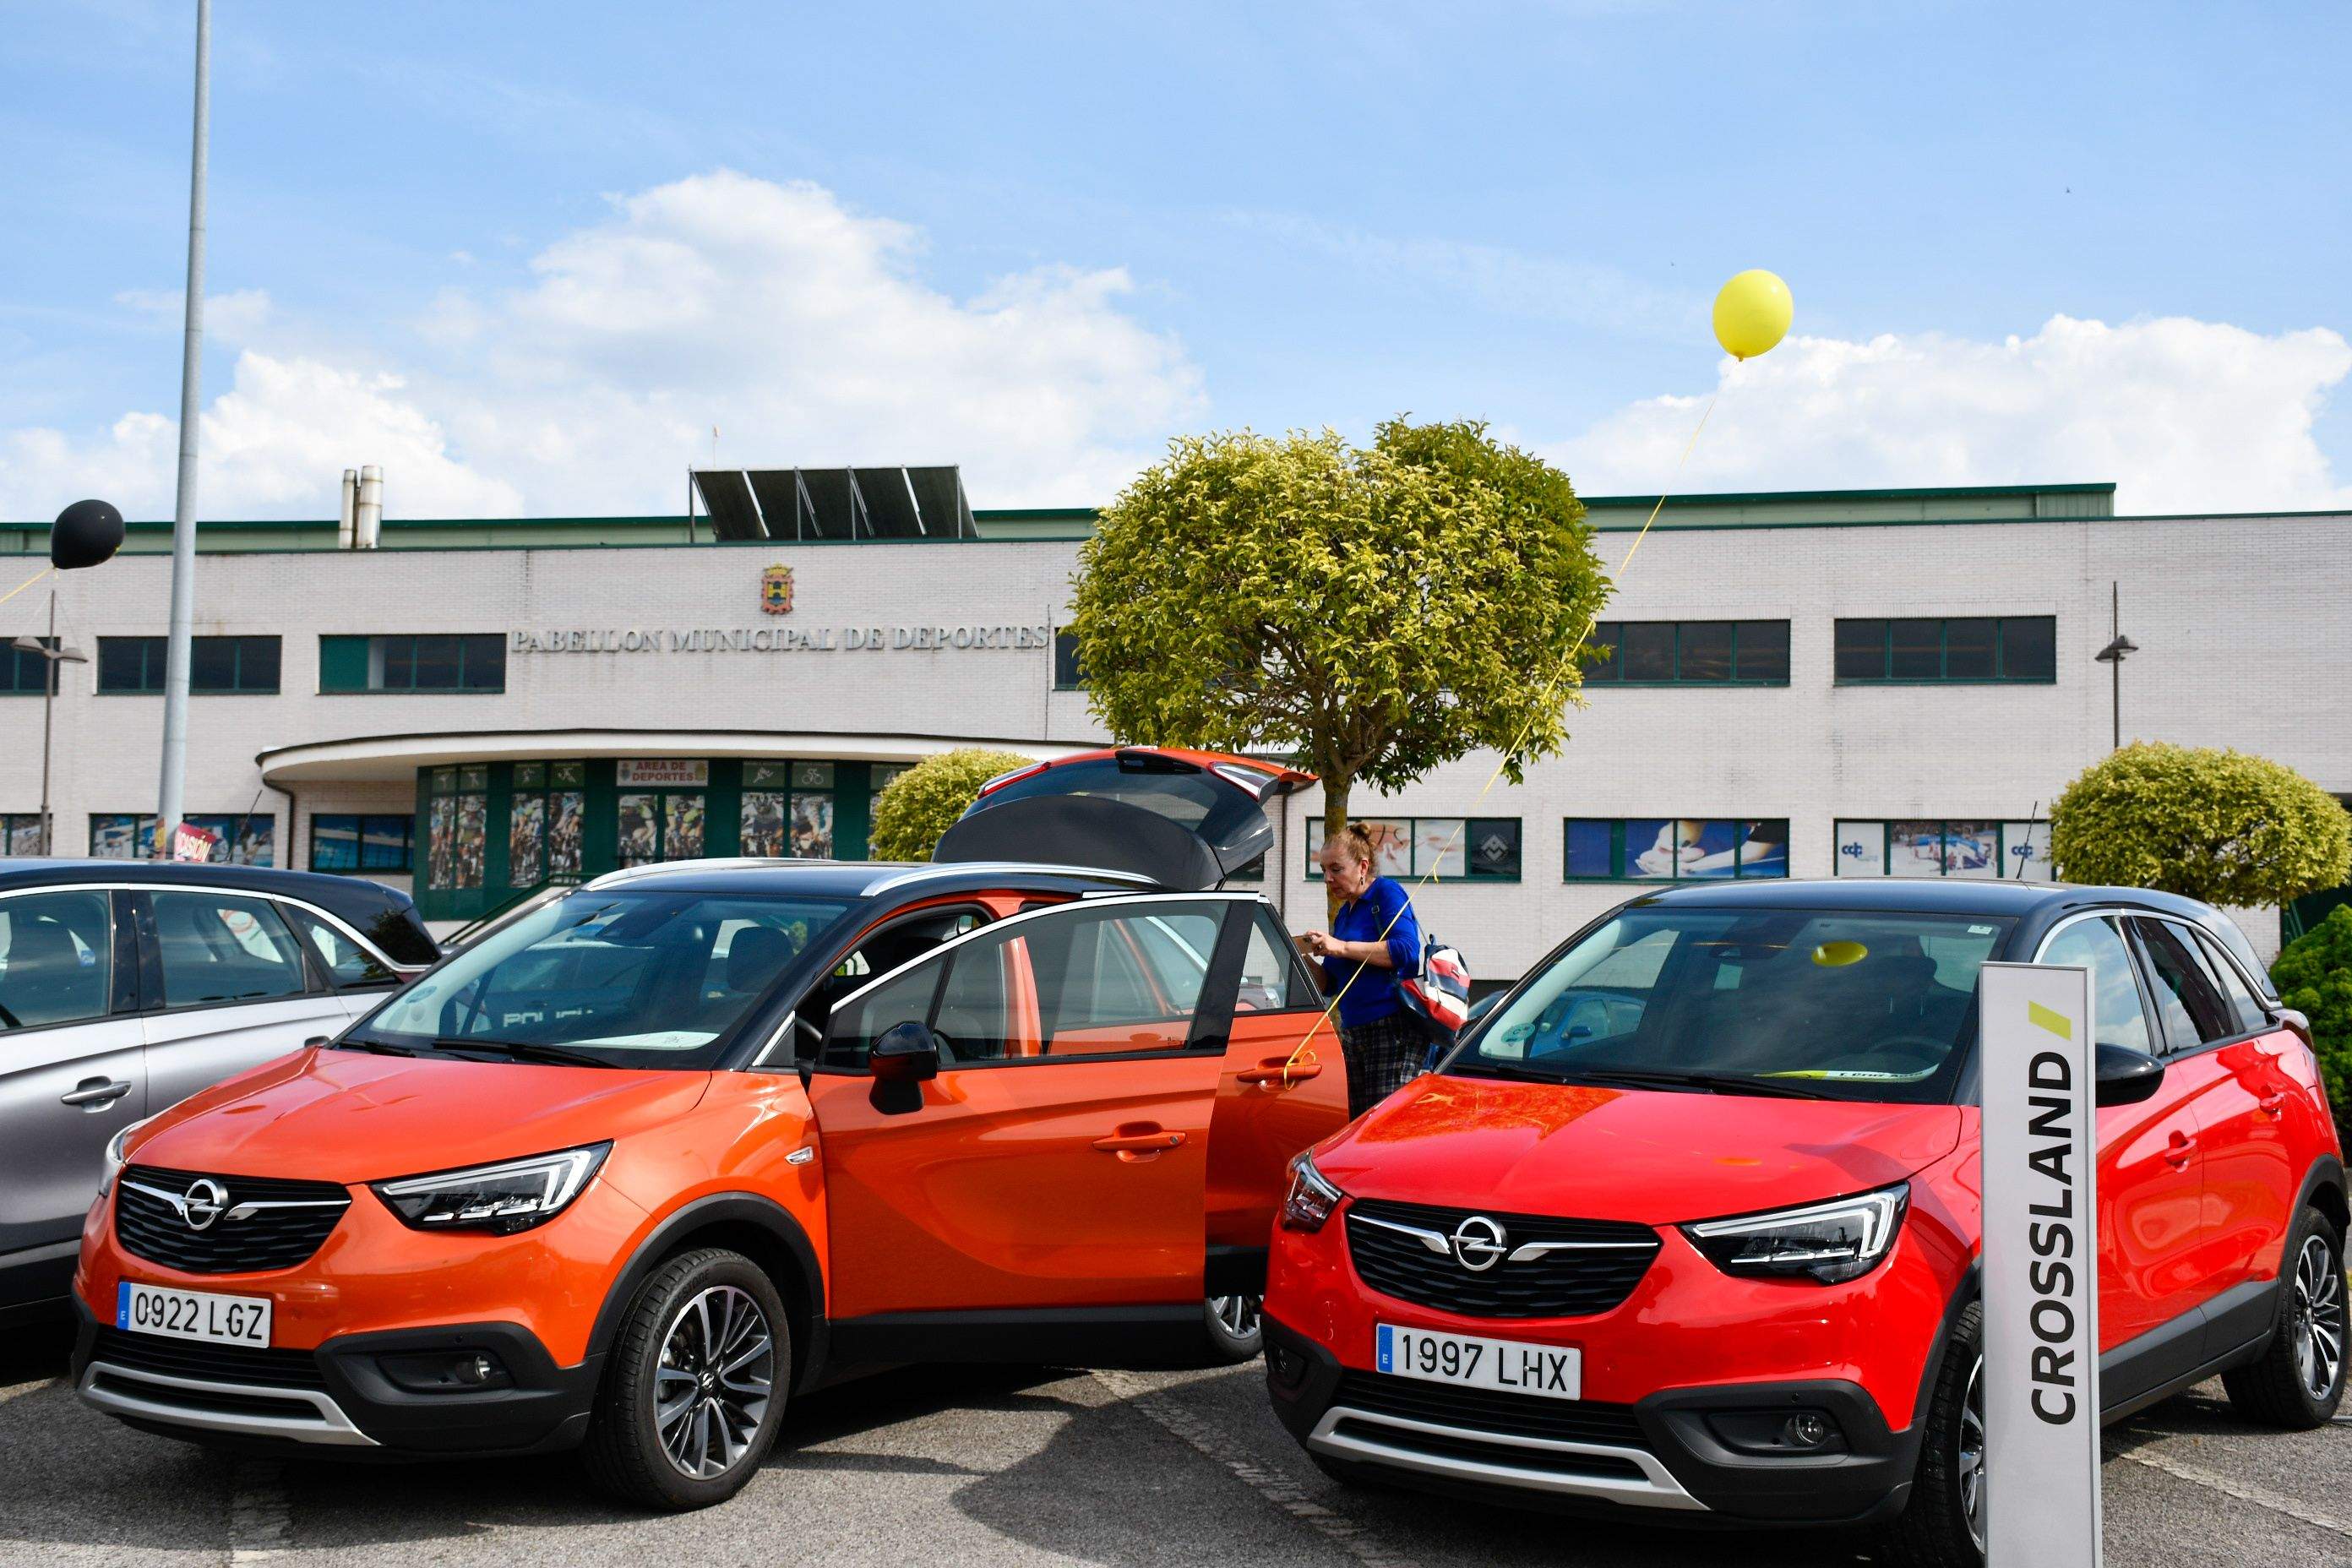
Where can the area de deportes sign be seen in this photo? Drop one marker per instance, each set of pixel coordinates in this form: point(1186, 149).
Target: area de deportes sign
point(777, 639)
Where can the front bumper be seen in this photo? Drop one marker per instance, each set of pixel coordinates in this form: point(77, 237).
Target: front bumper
point(337, 1400)
point(1659, 1456)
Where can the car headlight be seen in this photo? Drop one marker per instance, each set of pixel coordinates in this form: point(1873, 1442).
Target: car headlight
point(1830, 1241)
point(118, 1153)
point(514, 1195)
point(1311, 1198)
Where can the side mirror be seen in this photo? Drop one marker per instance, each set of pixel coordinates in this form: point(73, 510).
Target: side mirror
point(906, 1053)
point(2126, 1077)
point(314, 1042)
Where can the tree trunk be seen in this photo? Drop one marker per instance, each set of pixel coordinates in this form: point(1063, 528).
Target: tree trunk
point(1336, 789)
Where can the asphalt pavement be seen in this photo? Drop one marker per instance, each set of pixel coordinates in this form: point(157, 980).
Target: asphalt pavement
point(984, 1466)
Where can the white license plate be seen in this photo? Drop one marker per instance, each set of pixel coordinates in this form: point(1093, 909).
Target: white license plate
point(1556, 1372)
point(192, 1314)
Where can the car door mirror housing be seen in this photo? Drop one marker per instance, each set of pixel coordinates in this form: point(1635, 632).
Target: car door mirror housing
point(2125, 1076)
point(906, 1053)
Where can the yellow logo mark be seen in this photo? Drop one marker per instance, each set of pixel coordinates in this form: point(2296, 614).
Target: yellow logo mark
point(2057, 1024)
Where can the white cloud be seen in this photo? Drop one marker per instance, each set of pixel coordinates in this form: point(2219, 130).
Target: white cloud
point(233, 316)
point(2184, 416)
point(796, 326)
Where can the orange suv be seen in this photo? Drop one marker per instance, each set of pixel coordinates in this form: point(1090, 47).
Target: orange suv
point(636, 1167)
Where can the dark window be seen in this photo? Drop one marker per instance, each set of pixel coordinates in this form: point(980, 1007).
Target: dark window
point(2251, 1013)
point(1963, 648)
point(1705, 651)
point(214, 664)
point(1068, 676)
point(1494, 846)
point(1649, 650)
point(56, 959)
point(346, 962)
point(436, 661)
point(2093, 944)
point(218, 948)
point(1602, 651)
point(1433, 848)
point(1673, 848)
point(1763, 652)
point(2188, 1000)
point(353, 843)
point(22, 672)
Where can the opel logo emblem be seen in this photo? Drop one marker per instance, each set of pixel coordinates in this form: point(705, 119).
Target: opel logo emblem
point(1477, 1244)
point(204, 1202)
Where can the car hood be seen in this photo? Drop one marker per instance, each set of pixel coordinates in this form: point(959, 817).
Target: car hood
point(352, 1116)
point(1653, 1157)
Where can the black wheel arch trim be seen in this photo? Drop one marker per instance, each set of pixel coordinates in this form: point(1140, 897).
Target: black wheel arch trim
point(805, 1292)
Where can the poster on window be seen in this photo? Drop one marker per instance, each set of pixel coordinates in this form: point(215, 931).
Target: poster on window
point(766, 824)
point(565, 811)
point(813, 826)
point(682, 827)
point(526, 839)
point(1914, 849)
point(473, 839)
point(23, 836)
point(2025, 852)
point(1764, 847)
point(1972, 850)
point(640, 835)
point(1391, 846)
point(441, 843)
point(648, 773)
point(1439, 847)
point(1861, 849)
point(1653, 845)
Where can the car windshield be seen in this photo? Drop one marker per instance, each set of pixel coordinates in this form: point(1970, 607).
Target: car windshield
point(1808, 1003)
point(621, 978)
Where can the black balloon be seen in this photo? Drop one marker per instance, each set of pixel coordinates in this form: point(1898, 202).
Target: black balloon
point(86, 534)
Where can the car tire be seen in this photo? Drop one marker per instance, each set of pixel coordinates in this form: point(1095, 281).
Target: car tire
point(1942, 1525)
point(1235, 1326)
point(2298, 1382)
point(694, 1395)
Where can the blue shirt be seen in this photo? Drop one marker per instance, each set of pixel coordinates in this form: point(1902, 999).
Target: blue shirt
point(1371, 994)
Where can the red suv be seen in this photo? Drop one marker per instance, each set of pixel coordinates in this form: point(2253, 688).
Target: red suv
point(1688, 1227)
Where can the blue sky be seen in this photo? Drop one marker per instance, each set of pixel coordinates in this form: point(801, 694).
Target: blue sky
point(527, 253)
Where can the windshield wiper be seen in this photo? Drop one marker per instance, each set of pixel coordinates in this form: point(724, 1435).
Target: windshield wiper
point(1475, 1066)
point(1714, 1082)
point(373, 1046)
point(521, 1050)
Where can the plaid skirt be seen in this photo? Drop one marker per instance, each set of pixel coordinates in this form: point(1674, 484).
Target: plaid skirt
point(1381, 1055)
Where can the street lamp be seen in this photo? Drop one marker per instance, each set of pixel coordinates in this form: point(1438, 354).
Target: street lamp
point(56, 655)
point(2112, 655)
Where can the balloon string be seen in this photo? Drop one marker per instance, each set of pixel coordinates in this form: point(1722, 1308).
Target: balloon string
point(1299, 1053)
point(25, 584)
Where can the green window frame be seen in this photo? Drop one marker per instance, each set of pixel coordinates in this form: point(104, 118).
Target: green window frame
point(218, 666)
point(24, 674)
point(1485, 849)
point(1946, 650)
point(1898, 847)
point(440, 664)
point(547, 823)
point(1689, 653)
point(356, 844)
point(1068, 674)
point(1614, 849)
point(244, 838)
point(20, 833)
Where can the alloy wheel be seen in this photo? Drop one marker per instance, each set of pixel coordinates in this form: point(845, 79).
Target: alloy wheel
point(2316, 1318)
point(716, 1376)
point(1971, 1456)
point(1238, 1315)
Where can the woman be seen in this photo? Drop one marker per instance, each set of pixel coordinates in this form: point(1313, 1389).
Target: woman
point(1373, 942)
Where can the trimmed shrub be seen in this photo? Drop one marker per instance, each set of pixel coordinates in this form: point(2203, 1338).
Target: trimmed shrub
point(2314, 976)
point(2218, 826)
point(924, 802)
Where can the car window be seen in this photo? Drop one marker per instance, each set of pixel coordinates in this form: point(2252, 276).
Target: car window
point(858, 1023)
point(2096, 945)
point(2251, 1015)
point(1271, 980)
point(1098, 989)
point(218, 947)
point(56, 959)
point(1843, 1004)
point(2188, 999)
point(348, 962)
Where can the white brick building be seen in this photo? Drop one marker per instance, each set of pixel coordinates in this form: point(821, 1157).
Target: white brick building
point(599, 645)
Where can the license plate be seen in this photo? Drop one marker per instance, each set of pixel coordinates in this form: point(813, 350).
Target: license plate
point(192, 1314)
point(1514, 1366)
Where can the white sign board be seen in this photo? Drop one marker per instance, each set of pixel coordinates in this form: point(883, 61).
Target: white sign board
point(2040, 1267)
point(675, 773)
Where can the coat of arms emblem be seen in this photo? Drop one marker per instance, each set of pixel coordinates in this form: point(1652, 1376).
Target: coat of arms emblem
point(776, 590)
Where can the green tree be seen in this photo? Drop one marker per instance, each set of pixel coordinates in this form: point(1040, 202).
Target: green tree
point(1374, 611)
point(2314, 976)
point(2217, 825)
point(924, 802)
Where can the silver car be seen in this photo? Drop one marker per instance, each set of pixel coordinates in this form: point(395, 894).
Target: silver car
point(126, 986)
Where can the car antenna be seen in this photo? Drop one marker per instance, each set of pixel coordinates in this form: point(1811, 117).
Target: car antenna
point(2030, 817)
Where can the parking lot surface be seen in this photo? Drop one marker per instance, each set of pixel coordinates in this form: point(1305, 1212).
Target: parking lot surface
point(990, 1466)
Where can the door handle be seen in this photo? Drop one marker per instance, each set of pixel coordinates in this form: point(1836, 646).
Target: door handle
point(2177, 1151)
point(1129, 1144)
point(2271, 1102)
point(95, 1093)
point(1278, 1070)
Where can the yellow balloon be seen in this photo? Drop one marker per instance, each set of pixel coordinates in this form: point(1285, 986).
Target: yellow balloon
point(1752, 313)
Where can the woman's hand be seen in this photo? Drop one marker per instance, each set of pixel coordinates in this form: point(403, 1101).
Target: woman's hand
point(1318, 945)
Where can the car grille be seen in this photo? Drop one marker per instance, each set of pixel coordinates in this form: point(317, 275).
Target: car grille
point(1490, 1410)
point(152, 1227)
point(1568, 1284)
point(208, 1363)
